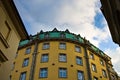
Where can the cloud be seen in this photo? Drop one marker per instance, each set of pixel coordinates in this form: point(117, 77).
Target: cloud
point(76, 15)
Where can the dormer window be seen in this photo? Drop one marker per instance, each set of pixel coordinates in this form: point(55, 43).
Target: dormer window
point(62, 35)
point(47, 35)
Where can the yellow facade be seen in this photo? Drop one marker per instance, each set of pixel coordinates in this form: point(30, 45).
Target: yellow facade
point(53, 53)
point(63, 58)
point(99, 67)
point(9, 38)
point(54, 64)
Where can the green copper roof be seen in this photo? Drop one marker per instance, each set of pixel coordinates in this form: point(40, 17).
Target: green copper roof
point(58, 35)
point(23, 42)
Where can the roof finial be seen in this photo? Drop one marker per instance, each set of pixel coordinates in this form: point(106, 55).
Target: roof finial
point(55, 30)
point(67, 31)
point(41, 31)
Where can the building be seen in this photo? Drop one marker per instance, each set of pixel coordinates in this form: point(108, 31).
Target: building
point(111, 11)
point(12, 31)
point(61, 55)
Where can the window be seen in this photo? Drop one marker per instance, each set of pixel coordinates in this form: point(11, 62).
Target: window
point(25, 62)
point(101, 62)
point(43, 73)
point(77, 49)
point(80, 75)
point(62, 57)
point(91, 56)
point(62, 46)
point(62, 72)
point(46, 45)
point(28, 50)
point(104, 73)
point(44, 58)
point(94, 68)
point(62, 35)
point(95, 78)
point(47, 35)
point(79, 60)
point(23, 76)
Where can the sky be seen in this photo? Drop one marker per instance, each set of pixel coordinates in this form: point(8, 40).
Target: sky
point(79, 16)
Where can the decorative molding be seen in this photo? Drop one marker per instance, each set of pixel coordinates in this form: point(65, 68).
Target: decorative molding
point(3, 40)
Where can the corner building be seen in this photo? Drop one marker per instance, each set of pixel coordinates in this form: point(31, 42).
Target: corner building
point(60, 55)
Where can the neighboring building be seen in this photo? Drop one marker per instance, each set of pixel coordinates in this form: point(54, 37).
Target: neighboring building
point(111, 11)
point(61, 55)
point(12, 31)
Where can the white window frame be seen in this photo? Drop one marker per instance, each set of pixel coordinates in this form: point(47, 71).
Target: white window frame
point(62, 57)
point(62, 45)
point(43, 73)
point(62, 72)
point(44, 58)
point(80, 75)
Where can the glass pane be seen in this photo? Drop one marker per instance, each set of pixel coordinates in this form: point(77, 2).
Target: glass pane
point(62, 46)
point(80, 75)
point(28, 50)
point(77, 49)
point(46, 46)
point(62, 57)
point(44, 57)
point(23, 76)
point(43, 72)
point(62, 72)
point(79, 60)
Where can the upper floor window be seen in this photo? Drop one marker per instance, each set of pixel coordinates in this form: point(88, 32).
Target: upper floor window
point(62, 45)
point(104, 73)
point(28, 50)
point(62, 72)
point(79, 60)
point(47, 35)
point(80, 75)
point(43, 73)
point(91, 56)
point(44, 58)
point(23, 76)
point(62, 35)
point(77, 49)
point(94, 68)
point(62, 57)
point(46, 45)
point(101, 62)
point(25, 62)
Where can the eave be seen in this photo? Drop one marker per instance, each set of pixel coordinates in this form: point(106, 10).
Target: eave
point(15, 17)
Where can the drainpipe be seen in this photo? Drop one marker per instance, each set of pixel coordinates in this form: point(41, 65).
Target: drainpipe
point(87, 60)
point(34, 55)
